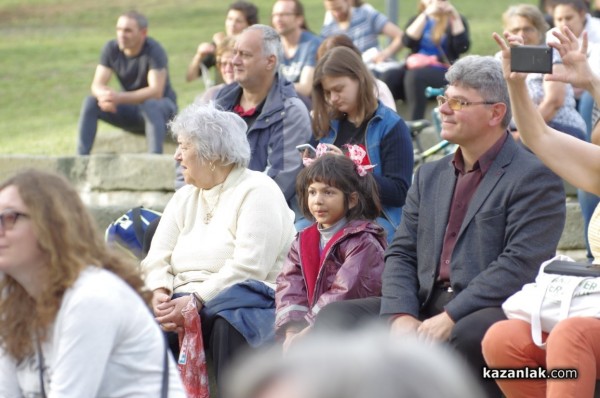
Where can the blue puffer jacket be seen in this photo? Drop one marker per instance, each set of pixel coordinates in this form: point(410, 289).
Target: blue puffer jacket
point(389, 147)
point(283, 124)
point(350, 267)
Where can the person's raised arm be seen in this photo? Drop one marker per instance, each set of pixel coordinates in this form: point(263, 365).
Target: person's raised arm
point(456, 23)
point(415, 30)
point(576, 68)
point(193, 71)
point(395, 34)
point(554, 96)
point(574, 160)
point(304, 85)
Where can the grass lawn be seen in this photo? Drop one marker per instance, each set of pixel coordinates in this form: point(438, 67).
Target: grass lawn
point(50, 48)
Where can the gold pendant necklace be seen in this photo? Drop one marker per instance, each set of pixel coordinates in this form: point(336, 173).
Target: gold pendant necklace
point(208, 214)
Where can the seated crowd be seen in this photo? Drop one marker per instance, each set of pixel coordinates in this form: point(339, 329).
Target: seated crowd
point(284, 252)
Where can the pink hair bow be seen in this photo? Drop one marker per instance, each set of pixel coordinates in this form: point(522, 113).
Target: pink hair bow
point(321, 150)
point(357, 154)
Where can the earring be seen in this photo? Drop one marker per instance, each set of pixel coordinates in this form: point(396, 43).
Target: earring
point(212, 166)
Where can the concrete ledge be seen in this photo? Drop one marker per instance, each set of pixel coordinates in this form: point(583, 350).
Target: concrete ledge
point(112, 184)
point(120, 141)
point(572, 237)
point(108, 184)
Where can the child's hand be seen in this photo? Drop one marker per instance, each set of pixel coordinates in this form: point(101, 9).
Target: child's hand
point(291, 337)
point(334, 149)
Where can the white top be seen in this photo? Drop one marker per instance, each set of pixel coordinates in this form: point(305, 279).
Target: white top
point(104, 343)
point(592, 27)
point(248, 237)
point(385, 95)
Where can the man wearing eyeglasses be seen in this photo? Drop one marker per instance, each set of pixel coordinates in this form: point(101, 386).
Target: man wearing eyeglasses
point(299, 45)
point(475, 227)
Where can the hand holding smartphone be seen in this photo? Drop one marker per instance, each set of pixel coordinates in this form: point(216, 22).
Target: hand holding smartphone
point(312, 152)
point(531, 59)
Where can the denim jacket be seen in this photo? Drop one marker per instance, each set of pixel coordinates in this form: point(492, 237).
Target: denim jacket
point(283, 124)
point(389, 147)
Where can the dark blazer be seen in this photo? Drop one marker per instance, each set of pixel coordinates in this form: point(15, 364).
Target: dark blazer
point(513, 224)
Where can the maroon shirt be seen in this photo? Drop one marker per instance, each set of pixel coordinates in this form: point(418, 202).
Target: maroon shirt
point(467, 183)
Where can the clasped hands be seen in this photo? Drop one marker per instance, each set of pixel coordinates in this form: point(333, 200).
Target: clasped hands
point(168, 311)
point(108, 100)
point(434, 329)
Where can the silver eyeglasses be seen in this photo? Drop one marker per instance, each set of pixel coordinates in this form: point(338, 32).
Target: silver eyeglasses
point(456, 104)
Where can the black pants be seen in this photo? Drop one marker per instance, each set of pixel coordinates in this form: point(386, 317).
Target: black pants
point(465, 337)
point(415, 83)
point(409, 85)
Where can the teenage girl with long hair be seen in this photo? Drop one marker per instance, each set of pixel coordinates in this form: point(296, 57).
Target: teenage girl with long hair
point(346, 111)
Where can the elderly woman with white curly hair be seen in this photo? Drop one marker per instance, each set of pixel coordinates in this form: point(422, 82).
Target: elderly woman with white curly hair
point(222, 238)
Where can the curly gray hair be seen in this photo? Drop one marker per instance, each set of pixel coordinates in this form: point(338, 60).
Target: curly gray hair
point(217, 134)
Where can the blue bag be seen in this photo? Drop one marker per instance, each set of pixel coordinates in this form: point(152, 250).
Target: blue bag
point(127, 232)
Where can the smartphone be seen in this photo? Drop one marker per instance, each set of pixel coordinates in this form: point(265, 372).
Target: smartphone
point(572, 268)
point(311, 149)
point(531, 59)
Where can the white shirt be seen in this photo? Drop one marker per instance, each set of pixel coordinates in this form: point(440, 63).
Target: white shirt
point(104, 343)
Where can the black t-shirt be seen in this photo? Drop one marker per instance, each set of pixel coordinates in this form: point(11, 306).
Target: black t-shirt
point(350, 134)
point(132, 72)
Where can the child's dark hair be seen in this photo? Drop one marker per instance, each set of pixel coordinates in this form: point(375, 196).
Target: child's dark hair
point(340, 172)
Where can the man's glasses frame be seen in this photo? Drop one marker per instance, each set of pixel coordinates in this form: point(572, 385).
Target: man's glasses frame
point(456, 105)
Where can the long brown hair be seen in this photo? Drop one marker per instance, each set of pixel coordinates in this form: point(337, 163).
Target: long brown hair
point(441, 24)
point(70, 239)
point(339, 62)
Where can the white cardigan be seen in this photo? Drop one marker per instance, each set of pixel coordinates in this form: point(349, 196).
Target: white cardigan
point(248, 237)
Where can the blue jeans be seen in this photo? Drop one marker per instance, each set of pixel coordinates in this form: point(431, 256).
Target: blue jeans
point(587, 202)
point(584, 107)
point(149, 117)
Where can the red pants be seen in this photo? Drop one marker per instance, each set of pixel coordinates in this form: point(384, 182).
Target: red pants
point(573, 344)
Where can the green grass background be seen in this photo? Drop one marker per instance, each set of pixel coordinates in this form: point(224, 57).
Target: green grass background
point(49, 50)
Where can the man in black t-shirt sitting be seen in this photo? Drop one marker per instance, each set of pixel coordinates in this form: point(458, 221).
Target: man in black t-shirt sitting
point(147, 100)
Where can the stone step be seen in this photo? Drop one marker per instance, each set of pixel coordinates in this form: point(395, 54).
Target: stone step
point(112, 184)
point(120, 141)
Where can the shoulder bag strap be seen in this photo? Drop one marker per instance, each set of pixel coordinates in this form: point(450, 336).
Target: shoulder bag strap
point(536, 319)
point(443, 54)
point(136, 219)
point(164, 393)
point(41, 367)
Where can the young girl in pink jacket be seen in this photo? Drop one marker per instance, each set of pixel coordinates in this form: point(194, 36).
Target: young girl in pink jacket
point(340, 256)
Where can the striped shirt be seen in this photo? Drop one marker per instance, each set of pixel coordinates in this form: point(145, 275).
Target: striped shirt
point(366, 24)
